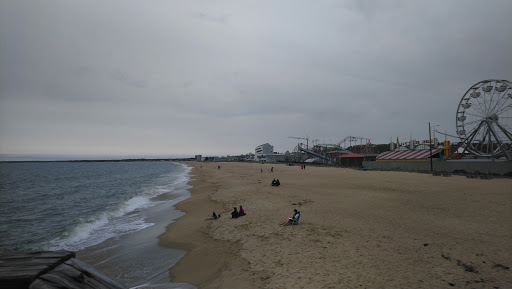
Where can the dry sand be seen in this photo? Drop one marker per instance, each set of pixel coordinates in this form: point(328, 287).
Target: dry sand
point(358, 229)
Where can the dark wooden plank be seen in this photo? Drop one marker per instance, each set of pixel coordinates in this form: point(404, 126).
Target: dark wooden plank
point(19, 270)
point(22, 271)
point(64, 276)
point(7, 267)
point(40, 255)
point(74, 274)
point(27, 260)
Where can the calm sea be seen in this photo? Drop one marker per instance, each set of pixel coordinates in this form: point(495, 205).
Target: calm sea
point(108, 212)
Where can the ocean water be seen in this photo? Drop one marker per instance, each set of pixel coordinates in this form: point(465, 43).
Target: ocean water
point(110, 213)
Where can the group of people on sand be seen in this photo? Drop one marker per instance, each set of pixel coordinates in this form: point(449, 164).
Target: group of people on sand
point(241, 212)
point(237, 213)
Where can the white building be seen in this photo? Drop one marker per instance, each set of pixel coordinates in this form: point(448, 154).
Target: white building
point(262, 151)
point(265, 153)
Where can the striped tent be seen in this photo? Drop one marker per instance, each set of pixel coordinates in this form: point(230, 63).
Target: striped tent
point(406, 155)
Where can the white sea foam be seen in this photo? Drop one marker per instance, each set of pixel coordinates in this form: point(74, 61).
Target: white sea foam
point(123, 219)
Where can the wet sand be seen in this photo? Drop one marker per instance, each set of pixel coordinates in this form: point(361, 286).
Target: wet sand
point(358, 229)
point(136, 259)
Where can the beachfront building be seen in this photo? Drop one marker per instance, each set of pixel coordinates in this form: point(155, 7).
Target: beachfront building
point(262, 151)
point(276, 157)
point(265, 153)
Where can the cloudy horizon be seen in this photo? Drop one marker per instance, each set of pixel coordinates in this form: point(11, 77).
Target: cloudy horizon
point(143, 78)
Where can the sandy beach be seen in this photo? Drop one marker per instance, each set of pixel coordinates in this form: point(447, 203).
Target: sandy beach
point(358, 229)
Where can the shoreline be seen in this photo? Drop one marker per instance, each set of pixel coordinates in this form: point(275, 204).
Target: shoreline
point(121, 257)
point(369, 229)
point(135, 259)
point(188, 233)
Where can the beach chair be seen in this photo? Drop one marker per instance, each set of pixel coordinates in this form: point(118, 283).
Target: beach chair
point(295, 221)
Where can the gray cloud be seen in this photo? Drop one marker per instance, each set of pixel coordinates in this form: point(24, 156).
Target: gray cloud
point(199, 77)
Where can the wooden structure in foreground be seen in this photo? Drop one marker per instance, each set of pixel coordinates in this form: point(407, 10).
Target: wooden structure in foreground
point(51, 270)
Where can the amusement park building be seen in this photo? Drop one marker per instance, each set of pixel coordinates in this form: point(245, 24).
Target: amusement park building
point(408, 155)
point(414, 151)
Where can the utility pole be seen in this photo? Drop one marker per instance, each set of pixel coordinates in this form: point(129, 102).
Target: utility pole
point(430, 146)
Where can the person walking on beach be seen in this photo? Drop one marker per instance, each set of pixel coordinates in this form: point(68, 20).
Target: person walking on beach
point(272, 169)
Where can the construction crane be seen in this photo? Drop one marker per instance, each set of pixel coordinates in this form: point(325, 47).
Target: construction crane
point(306, 138)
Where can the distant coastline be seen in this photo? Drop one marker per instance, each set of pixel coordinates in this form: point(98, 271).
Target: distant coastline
point(89, 158)
point(106, 160)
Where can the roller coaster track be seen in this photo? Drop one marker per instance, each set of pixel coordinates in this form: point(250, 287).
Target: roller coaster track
point(300, 148)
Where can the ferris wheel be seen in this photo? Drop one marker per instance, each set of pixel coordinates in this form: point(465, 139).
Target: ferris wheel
point(484, 119)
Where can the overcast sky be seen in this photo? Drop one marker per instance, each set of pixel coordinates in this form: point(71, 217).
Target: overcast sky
point(221, 77)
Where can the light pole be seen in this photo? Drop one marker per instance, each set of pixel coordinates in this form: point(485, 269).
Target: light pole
point(430, 146)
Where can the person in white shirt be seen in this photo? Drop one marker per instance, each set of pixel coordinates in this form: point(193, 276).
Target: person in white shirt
point(296, 216)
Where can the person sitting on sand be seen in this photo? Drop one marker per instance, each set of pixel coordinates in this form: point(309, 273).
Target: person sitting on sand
point(214, 216)
point(278, 183)
point(234, 214)
point(241, 212)
point(274, 182)
point(296, 216)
